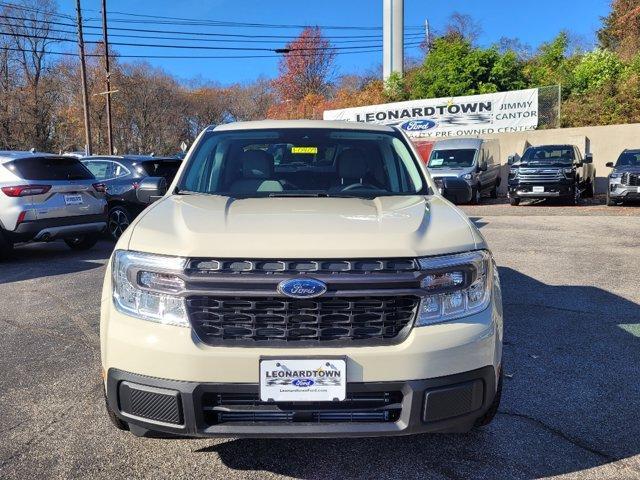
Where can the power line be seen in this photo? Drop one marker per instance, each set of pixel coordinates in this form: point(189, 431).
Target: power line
point(201, 56)
point(216, 40)
point(160, 19)
point(206, 34)
point(201, 47)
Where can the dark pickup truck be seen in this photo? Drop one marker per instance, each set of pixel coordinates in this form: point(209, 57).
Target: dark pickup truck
point(551, 171)
point(624, 179)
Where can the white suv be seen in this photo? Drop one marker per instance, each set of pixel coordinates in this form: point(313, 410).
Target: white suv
point(45, 197)
point(305, 279)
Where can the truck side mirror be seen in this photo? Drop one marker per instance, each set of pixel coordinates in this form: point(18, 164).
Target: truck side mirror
point(511, 159)
point(609, 164)
point(482, 167)
point(588, 158)
point(151, 189)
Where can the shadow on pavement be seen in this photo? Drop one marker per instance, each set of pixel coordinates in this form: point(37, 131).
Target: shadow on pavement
point(570, 402)
point(39, 260)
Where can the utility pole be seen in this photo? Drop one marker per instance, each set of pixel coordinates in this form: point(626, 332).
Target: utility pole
point(393, 38)
point(108, 74)
point(427, 35)
point(83, 74)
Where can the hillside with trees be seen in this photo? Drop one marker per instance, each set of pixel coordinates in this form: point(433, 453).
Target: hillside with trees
point(41, 105)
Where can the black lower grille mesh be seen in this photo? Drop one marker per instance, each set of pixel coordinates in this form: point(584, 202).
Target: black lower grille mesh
point(240, 320)
point(357, 407)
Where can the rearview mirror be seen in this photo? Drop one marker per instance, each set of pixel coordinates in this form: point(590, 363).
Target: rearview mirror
point(151, 189)
point(588, 158)
point(609, 164)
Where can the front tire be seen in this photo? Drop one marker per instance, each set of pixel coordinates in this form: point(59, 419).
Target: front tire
point(476, 195)
point(82, 242)
point(514, 201)
point(590, 190)
point(494, 191)
point(119, 220)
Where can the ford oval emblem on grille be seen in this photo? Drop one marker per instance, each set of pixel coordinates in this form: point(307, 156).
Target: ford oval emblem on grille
point(302, 288)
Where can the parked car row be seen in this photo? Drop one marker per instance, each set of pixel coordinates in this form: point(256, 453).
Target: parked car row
point(46, 197)
point(469, 169)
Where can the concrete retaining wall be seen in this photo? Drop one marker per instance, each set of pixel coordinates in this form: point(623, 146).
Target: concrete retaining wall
point(605, 143)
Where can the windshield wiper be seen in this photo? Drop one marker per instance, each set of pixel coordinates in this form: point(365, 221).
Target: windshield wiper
point(293, 195)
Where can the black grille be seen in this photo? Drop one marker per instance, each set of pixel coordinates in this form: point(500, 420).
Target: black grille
point(273, 320)
point(209, 266)
point(631, 179)
point(247, 407)
point(539, 174)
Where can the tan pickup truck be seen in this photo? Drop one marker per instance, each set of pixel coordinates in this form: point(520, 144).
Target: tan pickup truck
point(301, 279)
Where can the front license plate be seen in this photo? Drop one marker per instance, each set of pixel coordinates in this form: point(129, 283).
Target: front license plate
point(303, 380)
point(638, 189)
point(73, 199)
point(537, 189)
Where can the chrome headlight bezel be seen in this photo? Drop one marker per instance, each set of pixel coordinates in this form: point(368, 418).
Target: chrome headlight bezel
point(148, 287)
point(463, 287)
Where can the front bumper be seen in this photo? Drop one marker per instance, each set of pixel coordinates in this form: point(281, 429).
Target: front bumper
point(625, 192)
point(447, 404)
point(519, 189)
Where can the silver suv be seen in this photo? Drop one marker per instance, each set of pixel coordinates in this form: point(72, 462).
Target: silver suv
point(45, 197)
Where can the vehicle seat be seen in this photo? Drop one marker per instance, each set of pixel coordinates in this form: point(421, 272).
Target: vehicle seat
point(256, 174)
point(352, 168)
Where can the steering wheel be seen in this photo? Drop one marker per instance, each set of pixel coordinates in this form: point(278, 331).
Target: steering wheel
point(354, 186)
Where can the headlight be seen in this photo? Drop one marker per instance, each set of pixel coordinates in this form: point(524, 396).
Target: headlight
point(568, 172)
point(455, 286)
point(467, 176)
point(145, 286)
point(513, 172)
point(615, 177)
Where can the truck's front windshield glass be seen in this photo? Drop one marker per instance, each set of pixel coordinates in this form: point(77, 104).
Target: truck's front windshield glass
point(454, 158)
point(550, 154)
point(302, 162)
point(629, 159)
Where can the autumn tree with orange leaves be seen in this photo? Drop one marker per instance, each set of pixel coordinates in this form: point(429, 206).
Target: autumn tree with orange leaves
point(306, 66)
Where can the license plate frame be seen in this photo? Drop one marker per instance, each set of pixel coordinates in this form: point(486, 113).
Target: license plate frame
point(537, 189)
point(289, 387)
point(73, 199)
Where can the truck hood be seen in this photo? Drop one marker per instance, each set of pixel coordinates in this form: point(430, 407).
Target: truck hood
point(627, 168)
point(449, 172)
point(215, 226)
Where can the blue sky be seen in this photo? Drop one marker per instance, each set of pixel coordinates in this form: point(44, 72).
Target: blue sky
point(531, 21)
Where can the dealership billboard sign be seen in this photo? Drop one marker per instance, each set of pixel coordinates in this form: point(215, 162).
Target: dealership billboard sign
point(513, 111)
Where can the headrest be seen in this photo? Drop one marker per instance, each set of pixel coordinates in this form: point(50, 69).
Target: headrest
point(257, 164)
point(352, 164)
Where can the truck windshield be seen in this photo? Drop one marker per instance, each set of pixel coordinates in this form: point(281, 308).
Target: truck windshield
point(458, 158)
point(550, 154)
point(302, 162)
point(629, 159)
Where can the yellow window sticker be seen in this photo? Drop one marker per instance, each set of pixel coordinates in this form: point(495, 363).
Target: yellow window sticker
point(305, 150)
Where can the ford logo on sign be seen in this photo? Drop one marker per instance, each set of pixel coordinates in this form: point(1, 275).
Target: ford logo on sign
point(418, 125)
point(302, 288)
point(303, 382)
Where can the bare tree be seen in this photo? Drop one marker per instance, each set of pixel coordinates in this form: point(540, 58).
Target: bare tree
point(461, 25)
point(28, 32)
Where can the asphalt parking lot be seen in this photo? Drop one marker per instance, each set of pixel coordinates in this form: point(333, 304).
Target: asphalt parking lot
point(572, 356)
